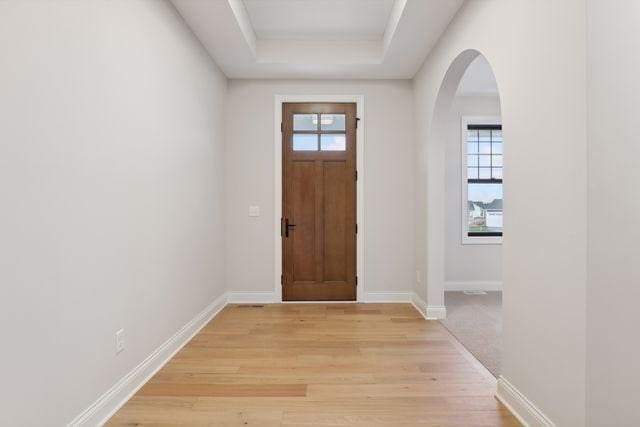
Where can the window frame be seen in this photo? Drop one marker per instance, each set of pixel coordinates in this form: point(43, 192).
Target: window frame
point(465, 121)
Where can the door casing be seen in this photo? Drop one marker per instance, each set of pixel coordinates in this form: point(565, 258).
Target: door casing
point(277, 161)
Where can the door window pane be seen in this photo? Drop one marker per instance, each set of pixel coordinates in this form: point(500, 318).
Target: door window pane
point(472, 173)
point(472, 147)
point(333, 142)
point(305, 122)
point(472, 160)
point(332, 122)
point(305, 142)
point(485, 161)
point(496, 160)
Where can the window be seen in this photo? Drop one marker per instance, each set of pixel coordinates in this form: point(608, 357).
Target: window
point(482, 180)
point(326, 131)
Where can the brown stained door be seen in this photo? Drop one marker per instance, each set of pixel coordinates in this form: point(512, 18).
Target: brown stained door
point(319, 201)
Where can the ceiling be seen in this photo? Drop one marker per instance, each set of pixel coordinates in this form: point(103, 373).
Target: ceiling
point(319, 20)
point(318, 38)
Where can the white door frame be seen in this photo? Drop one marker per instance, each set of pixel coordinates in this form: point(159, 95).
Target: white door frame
point(277, 184)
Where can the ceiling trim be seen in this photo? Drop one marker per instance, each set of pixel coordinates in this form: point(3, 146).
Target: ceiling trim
point(242, 18)
point(392, 24)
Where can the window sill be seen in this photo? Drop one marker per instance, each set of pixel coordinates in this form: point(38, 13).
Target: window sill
point(481, 240)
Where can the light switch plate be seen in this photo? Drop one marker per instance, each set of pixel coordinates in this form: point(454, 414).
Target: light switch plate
point(254, 210)
point(119, 341)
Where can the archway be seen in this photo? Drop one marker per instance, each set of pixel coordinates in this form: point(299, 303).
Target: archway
point(463, 243)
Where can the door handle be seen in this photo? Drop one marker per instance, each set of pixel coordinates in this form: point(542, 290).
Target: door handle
point(287, 226)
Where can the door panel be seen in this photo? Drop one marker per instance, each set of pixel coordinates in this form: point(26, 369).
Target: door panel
point(319, 201)
point(303, 209)
point(335, 222)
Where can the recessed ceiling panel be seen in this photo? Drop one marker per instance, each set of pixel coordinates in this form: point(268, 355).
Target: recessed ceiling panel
point(319, 19)
point(318, 38)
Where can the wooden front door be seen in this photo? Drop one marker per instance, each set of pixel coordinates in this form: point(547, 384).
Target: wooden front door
point(319, 201)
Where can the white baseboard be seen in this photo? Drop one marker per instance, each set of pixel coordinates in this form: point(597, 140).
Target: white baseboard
point(521, 408)
point(473, 286)
point(251, 297)
point(419, 304)
point(269, 297)
point(102, 409)
point(387, 296)
point(436, 312)
point(429, 312)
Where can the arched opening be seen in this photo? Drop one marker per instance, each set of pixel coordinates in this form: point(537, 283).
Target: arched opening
point(464, 206)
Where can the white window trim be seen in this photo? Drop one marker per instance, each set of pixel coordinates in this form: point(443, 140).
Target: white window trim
point(464, 122)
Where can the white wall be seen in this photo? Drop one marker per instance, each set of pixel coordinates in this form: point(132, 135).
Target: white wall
point(476, 266)
point(388, 176)
point(537, 51)
point(613, 289)
point(111, 181)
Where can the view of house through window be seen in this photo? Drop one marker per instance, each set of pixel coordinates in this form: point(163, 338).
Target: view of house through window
point(484, 180)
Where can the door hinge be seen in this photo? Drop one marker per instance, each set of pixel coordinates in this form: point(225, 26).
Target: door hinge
point(356, 175)
point(356, 228)
point(281, 127)
point(357, 120)
point(282, 279)
point(356, 280)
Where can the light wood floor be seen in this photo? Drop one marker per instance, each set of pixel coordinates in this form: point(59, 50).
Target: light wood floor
point(319, 365)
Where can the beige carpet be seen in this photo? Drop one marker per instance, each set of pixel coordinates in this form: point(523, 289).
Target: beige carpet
point(476, 320)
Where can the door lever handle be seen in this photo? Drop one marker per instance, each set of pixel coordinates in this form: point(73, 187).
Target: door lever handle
point(287, 226)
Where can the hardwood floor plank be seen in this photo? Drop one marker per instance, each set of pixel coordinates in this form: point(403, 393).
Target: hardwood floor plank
point(223, 390)
point(394, 418)
point(338, 391)
point(374, 365)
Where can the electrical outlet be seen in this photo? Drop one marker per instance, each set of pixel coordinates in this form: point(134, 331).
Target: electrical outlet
point(119, 341)
point(418, 278)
